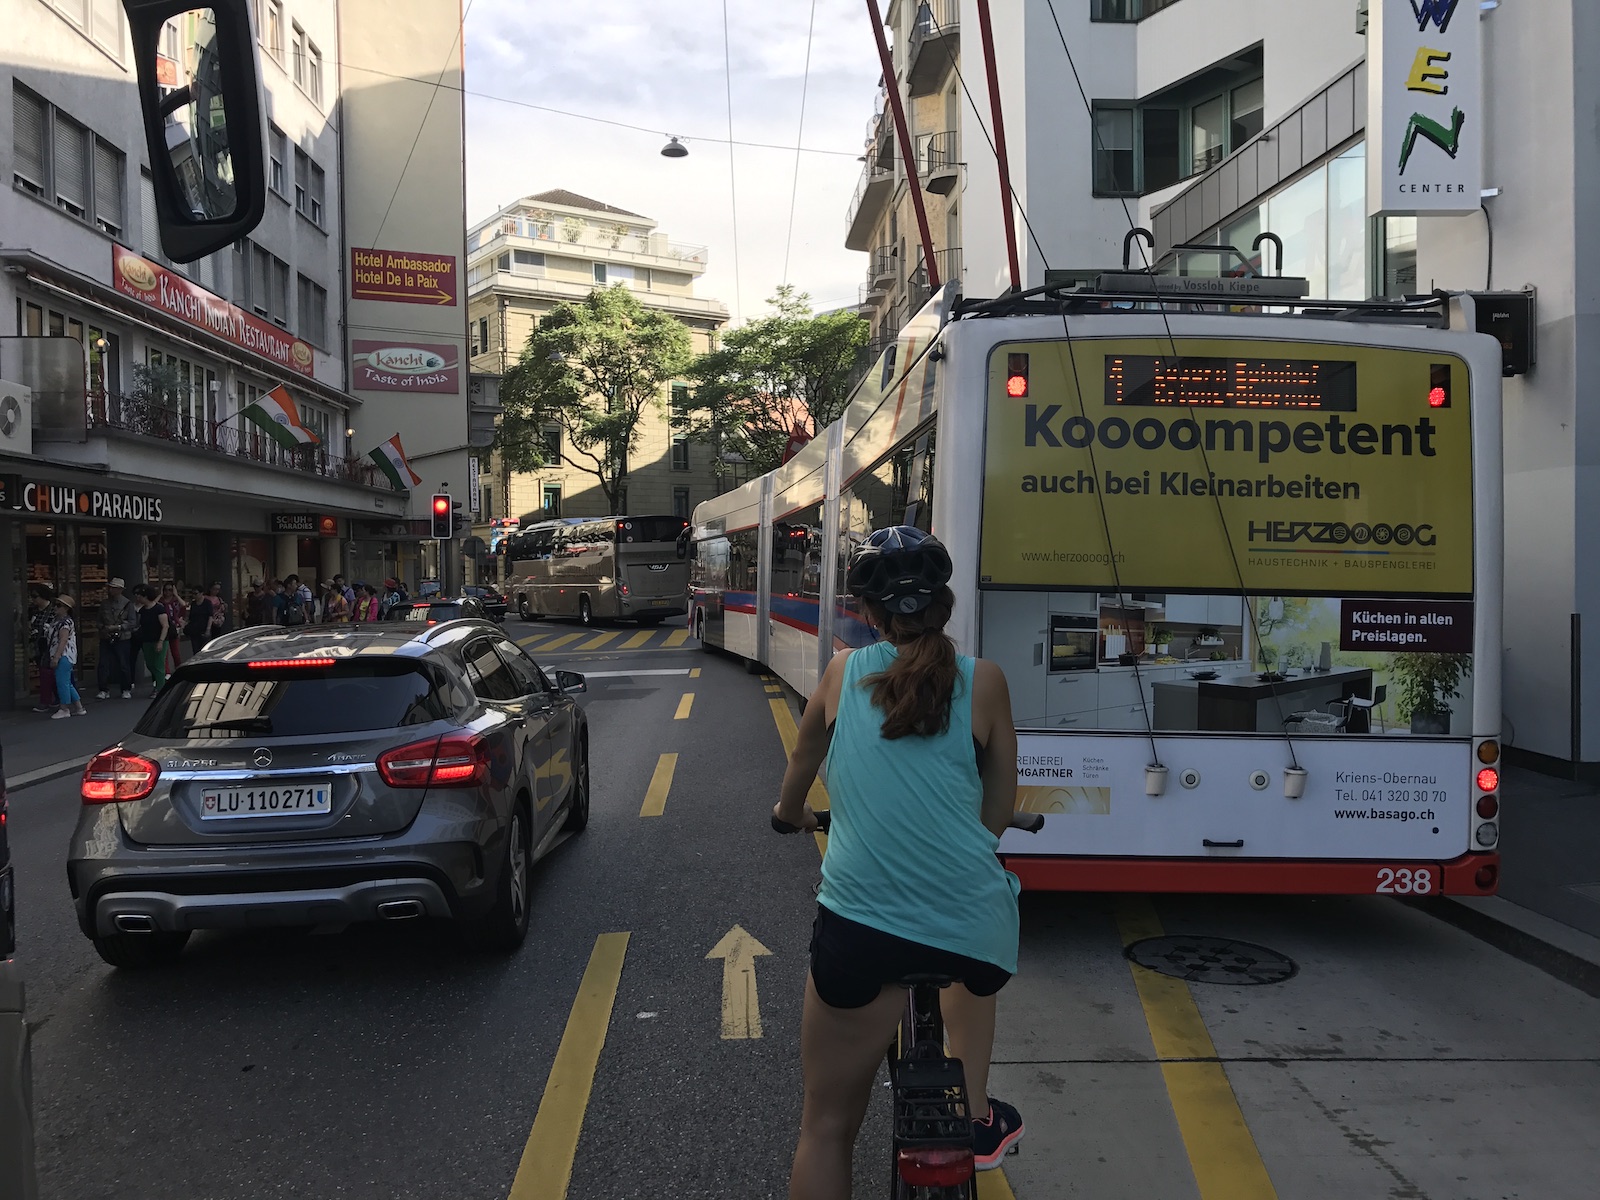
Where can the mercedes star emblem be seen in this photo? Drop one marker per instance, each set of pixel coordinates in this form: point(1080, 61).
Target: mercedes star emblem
point(262, 758)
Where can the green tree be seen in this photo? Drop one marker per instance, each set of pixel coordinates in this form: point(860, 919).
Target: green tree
point(791, 368)
point(590, 369)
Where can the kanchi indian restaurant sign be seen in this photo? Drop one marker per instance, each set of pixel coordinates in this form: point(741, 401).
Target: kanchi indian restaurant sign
point(402, 276)
point(174, 295)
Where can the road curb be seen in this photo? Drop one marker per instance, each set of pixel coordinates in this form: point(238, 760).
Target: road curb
point(46, 774)
point(1542, 942)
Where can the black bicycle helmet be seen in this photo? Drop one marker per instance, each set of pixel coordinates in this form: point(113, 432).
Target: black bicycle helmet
point(900, 567)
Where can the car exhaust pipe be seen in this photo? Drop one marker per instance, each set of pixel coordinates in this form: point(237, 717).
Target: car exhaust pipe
point(400, 910)
point(134, 923)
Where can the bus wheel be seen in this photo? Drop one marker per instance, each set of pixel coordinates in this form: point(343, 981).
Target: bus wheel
point(523, 610)
point(585, 612)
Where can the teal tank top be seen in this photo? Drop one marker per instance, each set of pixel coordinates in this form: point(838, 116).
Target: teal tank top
point(908, 853)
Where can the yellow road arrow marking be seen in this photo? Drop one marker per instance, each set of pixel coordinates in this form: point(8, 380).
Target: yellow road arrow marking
point(741, 1007)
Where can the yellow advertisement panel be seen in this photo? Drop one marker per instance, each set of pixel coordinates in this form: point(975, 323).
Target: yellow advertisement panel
point(1303, 468)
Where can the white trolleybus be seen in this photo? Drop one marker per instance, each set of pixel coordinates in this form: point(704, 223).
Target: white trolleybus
point(1242, 571)
point(597, 569)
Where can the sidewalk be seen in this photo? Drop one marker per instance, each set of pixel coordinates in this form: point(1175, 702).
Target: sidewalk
point(38, 748)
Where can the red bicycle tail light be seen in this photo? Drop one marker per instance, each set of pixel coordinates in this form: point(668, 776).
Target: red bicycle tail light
point(115, 775)
point(278, 664)
point(454, 760)
point(950, 1167)
point(1488, 807)
point(1488, 779)
point(1016, 376)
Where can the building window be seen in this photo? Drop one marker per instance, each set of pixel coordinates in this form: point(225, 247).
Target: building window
point(314, 73)
point(278, 151)
point(527, 262)
point(313, 301)
point(1126, 10)
point(1399, 269)
point(552, 500)
point(57, 159)
point(1113, 152)
point(552, 445)
point(483, 336)
point(1143, 148)
point(678, 413)
point(272, 30)
point(260, 279)
point(1249, 111)
point(1208, 133)
point(297, 53)
point(503, 263)
point(100, 21)
point(310, 187)
point(680, 502)
point(600, 273)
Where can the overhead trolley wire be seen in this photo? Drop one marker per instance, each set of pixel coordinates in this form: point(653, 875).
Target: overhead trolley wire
point(733, 191)
point(794, 187)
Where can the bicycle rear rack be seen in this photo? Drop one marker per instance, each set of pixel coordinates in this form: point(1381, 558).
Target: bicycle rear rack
point(930, 1105)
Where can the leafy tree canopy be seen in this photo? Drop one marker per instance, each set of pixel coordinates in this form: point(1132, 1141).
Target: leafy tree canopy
point(591, 370)
point(772, 374)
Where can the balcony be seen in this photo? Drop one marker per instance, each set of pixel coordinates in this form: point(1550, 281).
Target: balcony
point(935, 43)
point(870, 202)
point(232, 439)
point(918, 289)
point(596, 239)
point(882, 267)
point(939, 162)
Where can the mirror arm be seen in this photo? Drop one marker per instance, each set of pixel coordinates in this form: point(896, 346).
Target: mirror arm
point(175, 101)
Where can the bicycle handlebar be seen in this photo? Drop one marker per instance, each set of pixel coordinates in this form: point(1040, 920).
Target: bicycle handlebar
point(1027, 822)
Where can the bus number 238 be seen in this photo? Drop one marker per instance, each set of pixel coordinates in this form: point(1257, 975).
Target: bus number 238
point(1404, 881)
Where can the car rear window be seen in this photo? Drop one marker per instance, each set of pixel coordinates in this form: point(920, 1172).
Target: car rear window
point(423, 613)
point(235, 700)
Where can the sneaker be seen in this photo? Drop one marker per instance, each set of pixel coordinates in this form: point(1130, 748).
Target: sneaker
point(102, 695)
point(127, 694)
point(78, 710)
point(61, 714)
point(995, 1134)
point(44, 708)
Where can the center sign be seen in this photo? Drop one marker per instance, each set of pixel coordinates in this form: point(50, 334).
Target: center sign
point(1425, 106)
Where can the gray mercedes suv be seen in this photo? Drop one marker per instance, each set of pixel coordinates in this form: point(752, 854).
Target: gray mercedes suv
point(325, 775)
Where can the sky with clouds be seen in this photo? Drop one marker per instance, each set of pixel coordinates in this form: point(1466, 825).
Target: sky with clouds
point(661, 66)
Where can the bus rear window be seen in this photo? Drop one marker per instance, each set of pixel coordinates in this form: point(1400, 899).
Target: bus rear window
point(233, 700)
point(650, 529)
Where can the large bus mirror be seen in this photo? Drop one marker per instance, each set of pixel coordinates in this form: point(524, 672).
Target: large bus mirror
point(685, 546)
point(199, 90)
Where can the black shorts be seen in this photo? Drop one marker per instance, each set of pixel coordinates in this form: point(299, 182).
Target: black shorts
point(851, 963)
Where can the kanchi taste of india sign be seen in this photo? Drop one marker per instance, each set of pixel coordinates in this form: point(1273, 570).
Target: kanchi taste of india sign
point(174, 295)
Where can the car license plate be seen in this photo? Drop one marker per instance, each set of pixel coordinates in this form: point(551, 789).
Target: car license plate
point(281, 800)
point(661, 601)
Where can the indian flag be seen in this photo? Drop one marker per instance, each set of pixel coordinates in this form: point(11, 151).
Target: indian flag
point(277, 415)
point(391, 460)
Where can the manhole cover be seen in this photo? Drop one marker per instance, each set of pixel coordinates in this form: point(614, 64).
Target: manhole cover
point(1212, 960)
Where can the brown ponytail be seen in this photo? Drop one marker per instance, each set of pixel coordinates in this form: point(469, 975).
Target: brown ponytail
point(915, 693)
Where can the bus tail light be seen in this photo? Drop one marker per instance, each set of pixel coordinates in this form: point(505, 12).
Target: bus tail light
point(1439, 385)
point(1487, 835)
point(1017, 376)
point(1488, 807)
point(1486, 876)
point(1488, 752)
point(1488, 779)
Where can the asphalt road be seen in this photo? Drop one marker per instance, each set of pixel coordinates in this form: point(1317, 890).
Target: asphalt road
point(1403, 1058)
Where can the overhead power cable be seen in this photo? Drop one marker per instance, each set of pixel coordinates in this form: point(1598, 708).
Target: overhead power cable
point(733, 192)
point(800, 134)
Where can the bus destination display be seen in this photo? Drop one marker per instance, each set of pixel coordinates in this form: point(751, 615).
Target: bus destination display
point(1158, 381)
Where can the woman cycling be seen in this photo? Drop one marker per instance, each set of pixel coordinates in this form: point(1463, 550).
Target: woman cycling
point(922, 777)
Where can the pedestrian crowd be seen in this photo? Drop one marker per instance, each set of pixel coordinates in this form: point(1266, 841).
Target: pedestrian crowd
point(149, 627)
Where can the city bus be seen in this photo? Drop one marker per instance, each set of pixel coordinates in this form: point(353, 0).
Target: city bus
point(1242, 570)
point(597, 569)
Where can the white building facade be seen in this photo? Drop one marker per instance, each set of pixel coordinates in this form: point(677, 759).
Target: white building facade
point(143, 467)
point(1210, 121)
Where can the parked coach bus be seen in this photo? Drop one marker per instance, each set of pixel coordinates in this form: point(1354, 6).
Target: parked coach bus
point(1242, 571)
point(598, 569)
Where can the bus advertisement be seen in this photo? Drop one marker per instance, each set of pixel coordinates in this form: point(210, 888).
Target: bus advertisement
point(1242, 571)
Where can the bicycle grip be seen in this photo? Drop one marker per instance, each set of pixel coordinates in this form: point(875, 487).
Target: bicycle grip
point(824, 819)
point(1027, 822)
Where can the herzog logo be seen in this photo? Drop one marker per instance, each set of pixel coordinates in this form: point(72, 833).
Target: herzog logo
point(137, 272)
point(1338, 533)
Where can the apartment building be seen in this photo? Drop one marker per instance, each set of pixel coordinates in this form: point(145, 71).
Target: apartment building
point(130, 457)
point(1210, 121)
point(554, 248)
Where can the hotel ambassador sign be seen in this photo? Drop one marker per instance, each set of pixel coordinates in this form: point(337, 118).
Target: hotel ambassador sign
point(1425, 108)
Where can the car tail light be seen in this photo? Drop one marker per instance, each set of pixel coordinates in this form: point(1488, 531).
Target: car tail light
point(115, 775)
point(623, 588)
point(1488, 779)
point(454, 760)
point(948, 1167)
point(1488, 807)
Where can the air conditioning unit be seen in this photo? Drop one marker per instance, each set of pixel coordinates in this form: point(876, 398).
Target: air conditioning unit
point(16, 419)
